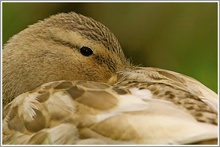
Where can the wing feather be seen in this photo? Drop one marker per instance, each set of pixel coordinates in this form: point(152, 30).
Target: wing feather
point(86, 112)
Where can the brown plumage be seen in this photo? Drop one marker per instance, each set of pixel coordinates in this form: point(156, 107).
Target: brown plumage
point(94, 95)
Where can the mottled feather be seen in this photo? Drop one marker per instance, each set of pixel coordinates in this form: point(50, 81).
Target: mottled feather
point(99, 113)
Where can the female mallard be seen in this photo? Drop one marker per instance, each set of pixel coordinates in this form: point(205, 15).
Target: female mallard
point(67, 81)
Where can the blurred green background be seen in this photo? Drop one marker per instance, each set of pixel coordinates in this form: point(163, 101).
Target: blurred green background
point(176, 36)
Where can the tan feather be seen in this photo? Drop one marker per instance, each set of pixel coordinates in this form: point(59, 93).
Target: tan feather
point(98, 107)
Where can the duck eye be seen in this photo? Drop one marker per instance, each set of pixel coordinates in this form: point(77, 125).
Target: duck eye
point(86, 51)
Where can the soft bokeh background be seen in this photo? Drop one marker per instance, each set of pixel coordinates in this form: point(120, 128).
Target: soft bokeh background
point(176, 36)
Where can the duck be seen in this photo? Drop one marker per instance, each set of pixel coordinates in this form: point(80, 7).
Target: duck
point(66, 80)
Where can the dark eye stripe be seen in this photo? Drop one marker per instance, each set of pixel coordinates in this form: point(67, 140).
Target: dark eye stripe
point(65, 43)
